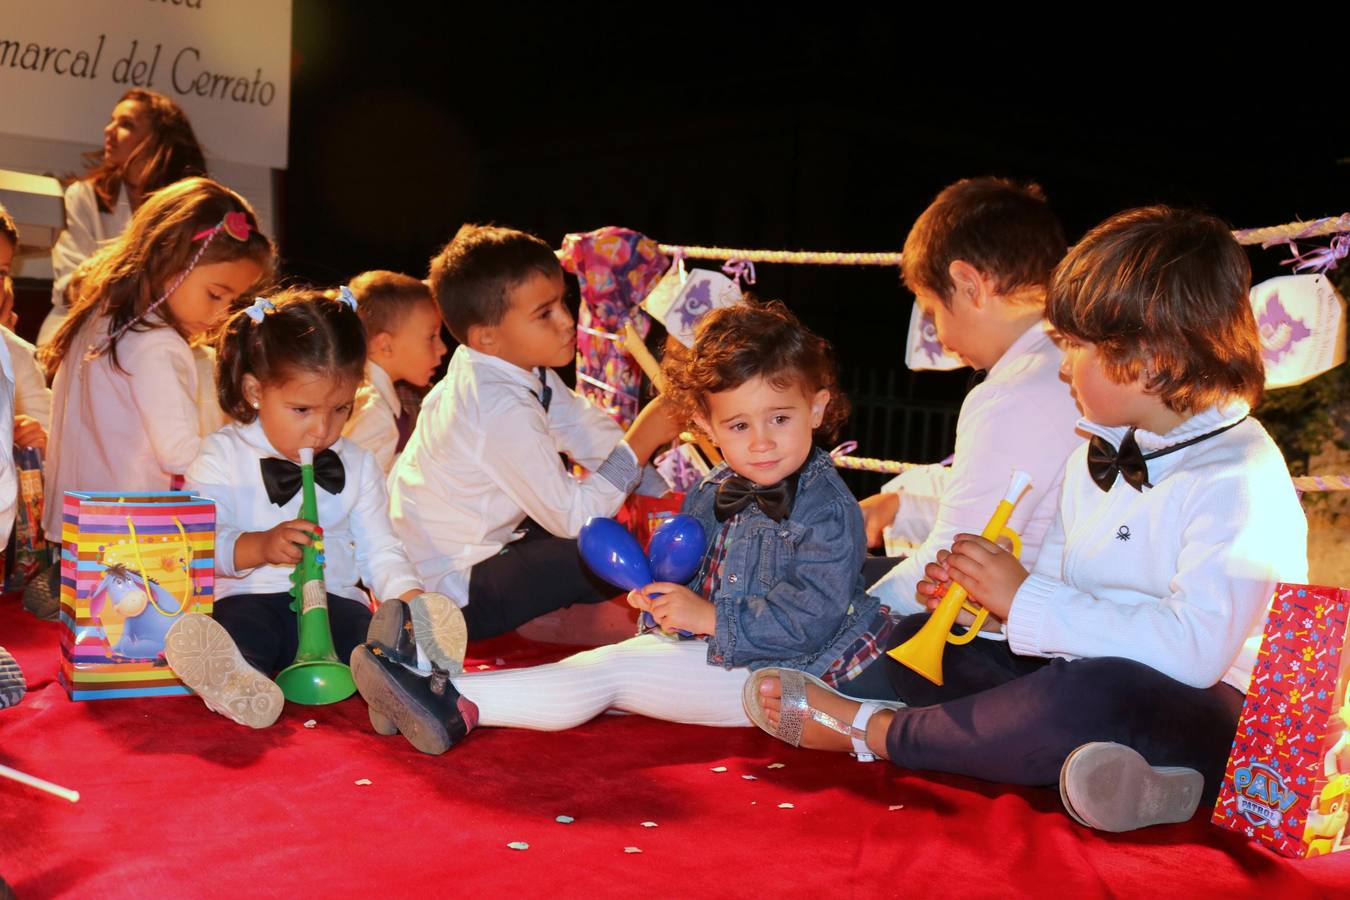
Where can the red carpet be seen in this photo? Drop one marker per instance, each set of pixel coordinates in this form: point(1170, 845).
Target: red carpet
point(177, 801)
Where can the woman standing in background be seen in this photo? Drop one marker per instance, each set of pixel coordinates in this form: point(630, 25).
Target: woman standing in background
point(148, 143)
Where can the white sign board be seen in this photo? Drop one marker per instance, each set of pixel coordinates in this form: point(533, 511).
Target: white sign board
point(64, 63)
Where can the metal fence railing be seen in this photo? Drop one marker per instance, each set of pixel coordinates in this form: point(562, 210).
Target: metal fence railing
point(896, 415)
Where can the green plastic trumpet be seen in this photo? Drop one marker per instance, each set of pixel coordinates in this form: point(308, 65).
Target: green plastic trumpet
point(316, 676)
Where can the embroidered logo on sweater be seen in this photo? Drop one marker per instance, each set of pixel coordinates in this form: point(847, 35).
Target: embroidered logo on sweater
point(1123, 533)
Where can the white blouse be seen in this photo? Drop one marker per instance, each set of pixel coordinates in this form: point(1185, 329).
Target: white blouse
point(359, 542)
point(87, 227)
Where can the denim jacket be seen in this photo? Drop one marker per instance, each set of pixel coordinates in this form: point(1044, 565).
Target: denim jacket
point(791, 592)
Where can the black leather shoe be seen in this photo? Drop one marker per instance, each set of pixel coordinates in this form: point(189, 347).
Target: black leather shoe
point(427, 709)
point(391, 626)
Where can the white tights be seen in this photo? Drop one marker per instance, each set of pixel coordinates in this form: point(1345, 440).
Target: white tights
point(648, 675)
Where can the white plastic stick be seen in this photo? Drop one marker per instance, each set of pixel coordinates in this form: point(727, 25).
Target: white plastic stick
point(56, 789)
point(1020, 482)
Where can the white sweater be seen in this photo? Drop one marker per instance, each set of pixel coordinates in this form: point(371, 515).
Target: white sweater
point(1179, 576)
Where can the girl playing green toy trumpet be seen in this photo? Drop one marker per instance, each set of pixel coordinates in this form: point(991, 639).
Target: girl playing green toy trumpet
point(288, 370)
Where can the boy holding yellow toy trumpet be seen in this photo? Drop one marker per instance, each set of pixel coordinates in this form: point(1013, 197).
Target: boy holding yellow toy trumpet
point(1130, 643)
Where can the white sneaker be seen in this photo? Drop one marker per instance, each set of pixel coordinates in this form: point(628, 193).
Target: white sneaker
point(204, 656)
point(1111, 787)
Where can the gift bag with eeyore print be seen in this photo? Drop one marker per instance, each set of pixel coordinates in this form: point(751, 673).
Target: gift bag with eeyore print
point(131, 566)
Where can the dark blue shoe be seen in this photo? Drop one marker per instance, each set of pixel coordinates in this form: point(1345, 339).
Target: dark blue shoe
point(427, 709)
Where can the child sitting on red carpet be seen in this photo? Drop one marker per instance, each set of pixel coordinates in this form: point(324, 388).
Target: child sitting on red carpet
point(479, 496)
point(1130, 644)
point(288, 372)
point(781, 582)
point(403, 344)
point(978, 260)
point(125, 412)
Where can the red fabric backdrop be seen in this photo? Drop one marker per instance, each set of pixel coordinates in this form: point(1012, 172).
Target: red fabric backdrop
point(178, 801)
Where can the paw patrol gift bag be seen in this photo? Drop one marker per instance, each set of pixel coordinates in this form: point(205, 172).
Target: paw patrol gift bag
point(1288, 778)
point(131, 565)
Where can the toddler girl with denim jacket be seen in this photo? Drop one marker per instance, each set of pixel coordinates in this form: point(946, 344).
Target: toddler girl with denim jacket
point(780, 585)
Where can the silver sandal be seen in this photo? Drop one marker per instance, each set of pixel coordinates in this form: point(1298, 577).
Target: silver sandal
point(794, 712)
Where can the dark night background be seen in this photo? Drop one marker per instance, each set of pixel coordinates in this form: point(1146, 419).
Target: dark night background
point(765, 131)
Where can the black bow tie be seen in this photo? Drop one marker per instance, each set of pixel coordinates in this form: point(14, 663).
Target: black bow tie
point(282, 479)
point(738, 492)
point(1106, 462)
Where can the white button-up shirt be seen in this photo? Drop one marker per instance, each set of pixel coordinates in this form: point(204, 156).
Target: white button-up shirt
point(374, 421)
point(1021, 417)
point(484, 456)
point(359, 542)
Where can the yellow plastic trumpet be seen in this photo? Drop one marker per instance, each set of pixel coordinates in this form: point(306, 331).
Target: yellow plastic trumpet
point(923, 652)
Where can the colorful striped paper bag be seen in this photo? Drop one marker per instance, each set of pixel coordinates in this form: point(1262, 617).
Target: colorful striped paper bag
point(131, 565)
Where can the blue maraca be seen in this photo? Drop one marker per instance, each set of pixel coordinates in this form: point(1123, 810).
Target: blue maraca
point(676, 549)
point(612, 552)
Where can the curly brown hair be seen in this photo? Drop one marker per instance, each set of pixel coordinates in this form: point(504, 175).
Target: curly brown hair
point(749, 340)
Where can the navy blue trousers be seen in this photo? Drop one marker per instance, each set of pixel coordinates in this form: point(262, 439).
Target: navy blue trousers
point(531, 576)
point(266, 630)
point(1015, 719)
